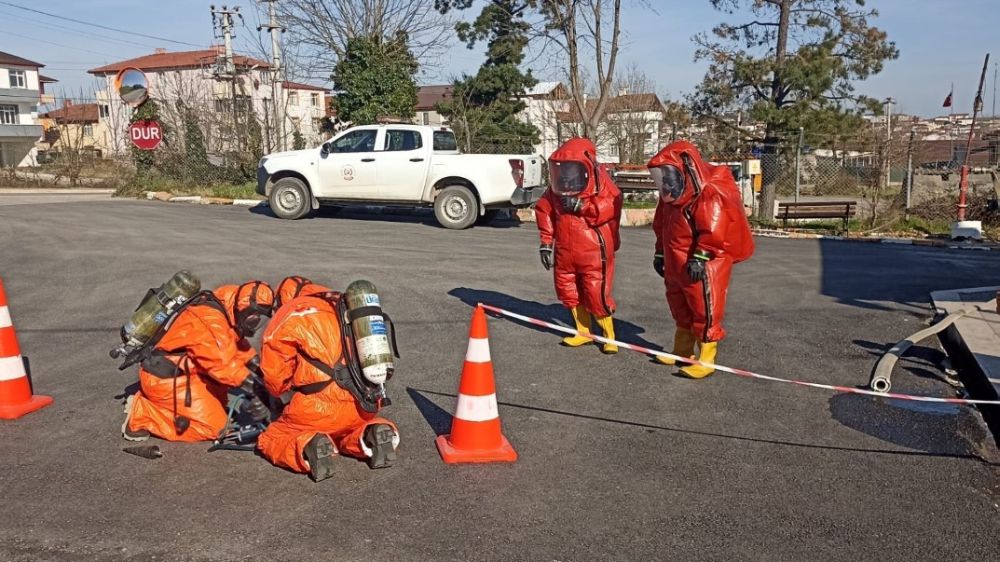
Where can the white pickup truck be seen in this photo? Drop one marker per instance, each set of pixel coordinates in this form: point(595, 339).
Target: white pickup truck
point(400, 165)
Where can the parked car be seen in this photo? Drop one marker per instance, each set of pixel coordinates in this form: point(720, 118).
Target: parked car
point(400, 165)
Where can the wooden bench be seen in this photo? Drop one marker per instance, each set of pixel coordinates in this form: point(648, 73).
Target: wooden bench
point(844, 210)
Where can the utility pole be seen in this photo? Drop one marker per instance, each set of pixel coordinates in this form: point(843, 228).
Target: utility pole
point(888, 138)
point(995, 66)
point(909, 169)
point(276, 72)
point(226, 66)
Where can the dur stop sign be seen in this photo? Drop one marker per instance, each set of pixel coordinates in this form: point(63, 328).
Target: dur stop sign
point(145, 135)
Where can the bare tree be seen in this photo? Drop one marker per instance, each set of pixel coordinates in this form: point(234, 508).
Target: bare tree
point(322, 28)
point(585, 28)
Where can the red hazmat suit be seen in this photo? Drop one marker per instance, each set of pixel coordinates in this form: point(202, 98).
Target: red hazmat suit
point(707, 218)
point(585, 241)
point(207, 356)
point(309, 326)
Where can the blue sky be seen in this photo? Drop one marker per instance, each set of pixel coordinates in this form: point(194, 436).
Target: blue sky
point(940, 42)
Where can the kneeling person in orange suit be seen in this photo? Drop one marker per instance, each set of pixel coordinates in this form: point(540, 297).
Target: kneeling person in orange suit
point(308, 349)
point(185, 379)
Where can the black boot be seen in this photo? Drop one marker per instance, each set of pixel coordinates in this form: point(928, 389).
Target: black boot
point(319, 452)
point(378, 438)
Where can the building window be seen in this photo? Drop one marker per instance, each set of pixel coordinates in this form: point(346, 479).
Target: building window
point(18, 79)
point(293, 98)
point(105, 111)
point(8, 115)
point(425, 118)
point(88, 130)
point(314, 99)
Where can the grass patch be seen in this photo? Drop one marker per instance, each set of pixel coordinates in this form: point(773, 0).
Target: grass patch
point(633, 204)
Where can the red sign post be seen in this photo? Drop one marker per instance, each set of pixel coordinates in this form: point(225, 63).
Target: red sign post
point(145, 135)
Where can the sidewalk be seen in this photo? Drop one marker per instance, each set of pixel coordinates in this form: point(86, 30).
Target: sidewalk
point(54, 191)
point(973, 343)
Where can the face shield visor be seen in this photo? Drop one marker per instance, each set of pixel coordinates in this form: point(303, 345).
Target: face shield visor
point(669, 180)
point(568, 178)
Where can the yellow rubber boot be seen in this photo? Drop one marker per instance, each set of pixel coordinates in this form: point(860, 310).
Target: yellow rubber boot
point(707, 355)
point(582, 319)
point(607, 325)
point(684, 341)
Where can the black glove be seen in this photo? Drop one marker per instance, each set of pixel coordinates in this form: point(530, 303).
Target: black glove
point(545, 252)
point(252, 405)
point(255, 409)
point(658, 264)
point(696, 266)
point(572, 204)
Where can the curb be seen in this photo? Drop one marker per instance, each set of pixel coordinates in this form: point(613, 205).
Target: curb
point(202, 200)
point(55, 191)
point(630, 217)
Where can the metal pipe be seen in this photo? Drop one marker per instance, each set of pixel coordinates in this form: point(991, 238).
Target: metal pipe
point(798, 166)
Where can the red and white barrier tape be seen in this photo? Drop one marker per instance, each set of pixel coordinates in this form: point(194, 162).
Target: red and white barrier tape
point(738, 372)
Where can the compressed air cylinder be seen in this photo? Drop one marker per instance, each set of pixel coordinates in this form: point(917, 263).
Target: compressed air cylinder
point(370, 332)
point(156, 308)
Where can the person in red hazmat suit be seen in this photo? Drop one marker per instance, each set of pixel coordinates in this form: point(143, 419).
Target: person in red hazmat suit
point(578, 218)
point(203, 354)
point(701, 231)
point(330, 412)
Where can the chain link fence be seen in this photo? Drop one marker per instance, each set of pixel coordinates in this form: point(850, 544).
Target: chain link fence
point(898, 182)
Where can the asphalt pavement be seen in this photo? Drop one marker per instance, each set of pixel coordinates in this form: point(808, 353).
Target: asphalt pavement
point(619, 460)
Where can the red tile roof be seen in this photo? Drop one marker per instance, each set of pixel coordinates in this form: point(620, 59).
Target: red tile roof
point(429, 96)
point(7, 58)
point(180, 59)
point(77, 113)
point(300, 86)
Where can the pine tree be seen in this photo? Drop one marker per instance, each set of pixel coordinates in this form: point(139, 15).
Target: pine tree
point(484, 109)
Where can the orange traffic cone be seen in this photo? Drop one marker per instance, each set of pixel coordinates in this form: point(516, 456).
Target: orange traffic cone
point(15, 389)
point(475, 429)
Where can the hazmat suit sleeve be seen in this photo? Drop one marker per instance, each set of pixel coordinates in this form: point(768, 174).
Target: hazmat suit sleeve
point(603, 207)
point(278, 359)
point(658, 227)
point(711, 222)
point(544, 210)
point(213, 347)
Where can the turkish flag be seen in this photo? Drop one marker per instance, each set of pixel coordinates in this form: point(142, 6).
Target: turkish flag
point(947, 100)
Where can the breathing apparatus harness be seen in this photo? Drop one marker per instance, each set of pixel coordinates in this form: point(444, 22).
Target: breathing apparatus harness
point(156, 362)
point(346, 370)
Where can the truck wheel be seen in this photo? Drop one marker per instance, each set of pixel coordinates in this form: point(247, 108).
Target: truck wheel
point(456, 207)
point(290, 199)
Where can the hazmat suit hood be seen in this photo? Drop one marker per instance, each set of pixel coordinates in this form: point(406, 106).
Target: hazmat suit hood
point(686, 158)
point(576, 151)
point(246, 304)
point(295, 286)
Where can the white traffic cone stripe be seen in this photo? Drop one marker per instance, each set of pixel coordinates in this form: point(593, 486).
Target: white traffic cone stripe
point(477, 408)
point(11, 368)
point(479, 350)
point(5, 317)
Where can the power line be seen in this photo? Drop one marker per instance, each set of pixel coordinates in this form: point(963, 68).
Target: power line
point(115, 29)
point(84, 33)
point(35, 39)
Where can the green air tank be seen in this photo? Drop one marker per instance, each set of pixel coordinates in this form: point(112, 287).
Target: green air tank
point(371, 335)
point(158, 306)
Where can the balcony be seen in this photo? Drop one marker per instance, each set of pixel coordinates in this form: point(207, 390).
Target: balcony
point(22, 132)
point(19, 95)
